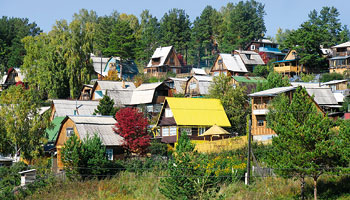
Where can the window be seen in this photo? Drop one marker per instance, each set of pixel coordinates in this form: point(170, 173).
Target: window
point(201, 131)
point(252, 47)
point(109, 153)
point(168, 112)
point(69, 132)
point(248, 56)
point(165, 131)
point(260, 122)
point(186, 130)
point(172, 130)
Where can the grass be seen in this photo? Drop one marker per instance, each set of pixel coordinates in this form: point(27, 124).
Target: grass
point(128, 185)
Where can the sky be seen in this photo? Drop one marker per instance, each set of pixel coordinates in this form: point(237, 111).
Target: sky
point(286, 14)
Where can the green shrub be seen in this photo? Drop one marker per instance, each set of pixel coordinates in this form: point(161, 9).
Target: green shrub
point(158, 148)
point(331, 76)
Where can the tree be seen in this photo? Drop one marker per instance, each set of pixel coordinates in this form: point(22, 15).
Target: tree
point(175, 29)
point(331, 76)
point(282, 35)
point(262, 70)
point(274, 80)
point(23, 127)
point(132, 126)
point(105, 106)
point(122, 41)
point(188, 177)
point(12, 30)
point(244, 23)
point(86, 158)
point(234, 101)
point(104, 28)
point(305, 140)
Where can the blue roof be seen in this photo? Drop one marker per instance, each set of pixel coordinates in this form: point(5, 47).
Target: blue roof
point(284, 61)
point(340, 57)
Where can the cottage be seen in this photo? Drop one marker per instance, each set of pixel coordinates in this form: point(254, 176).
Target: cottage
point(260, 101)
point(126, 69)
point(198, 85)
point(87, 126)
point(192, 116)
point(325, 99)
point(250, 59)
point(86, 92)
point(337, 85)
point(229, 65)
point(62, 108)
point(267, 49)
point(289, 65)
point(340, 60)
point(198, 71)
point(100, 88)
point(177, 85)
point(164, 59)
point(14, 76)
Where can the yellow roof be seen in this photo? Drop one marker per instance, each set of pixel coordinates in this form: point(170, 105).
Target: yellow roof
point(215, 130)
point(198, 111)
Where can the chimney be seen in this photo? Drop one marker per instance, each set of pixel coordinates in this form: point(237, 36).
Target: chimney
point(123, 84)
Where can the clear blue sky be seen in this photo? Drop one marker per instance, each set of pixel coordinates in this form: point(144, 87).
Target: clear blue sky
point(279, 13)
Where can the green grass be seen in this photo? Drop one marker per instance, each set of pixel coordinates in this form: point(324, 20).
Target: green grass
point(128, 185)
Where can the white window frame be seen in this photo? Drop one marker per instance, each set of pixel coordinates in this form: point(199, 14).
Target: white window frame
point(252, 47)
point(168, 112)
point(172, 131)
point(109, 153)
point(201, 130)
point(165, 128)
point(69, 132)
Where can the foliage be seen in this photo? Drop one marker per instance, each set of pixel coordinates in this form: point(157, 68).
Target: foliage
point(234, 101)
point(273, 80)
point(307, 77)
point(187, 178)
point(132, 126)
point(345, 105)
point(106, 106)
point(143, 165)
point(12, 30)
point(243, 22)
point(112, 76)
point(330, 77)
point(86, 158)
point(262, 70)
point(282, 35)
point(305, 142)
point(22, 127)
point(158, 148)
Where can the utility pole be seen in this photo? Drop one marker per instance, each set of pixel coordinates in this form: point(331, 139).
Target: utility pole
point(249, 153)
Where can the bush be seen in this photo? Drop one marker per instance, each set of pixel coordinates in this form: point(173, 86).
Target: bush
point(141, 165)
point(158, 148)
point(331, 76)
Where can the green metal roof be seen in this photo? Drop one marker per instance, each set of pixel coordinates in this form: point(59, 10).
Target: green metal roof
point(53, 132)
point(244, 79)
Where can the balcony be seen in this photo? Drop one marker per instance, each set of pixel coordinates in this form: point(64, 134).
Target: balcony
point(341, 54)
point(288, 69)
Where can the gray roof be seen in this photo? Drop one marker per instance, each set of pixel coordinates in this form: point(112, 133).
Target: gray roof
point(144, 93)
point(307, 85)
point(96, 62)
point(255, 58)
point(120, 97)
point(67, 107)
point(345, 44)
point(100, 125)
point(203, 78)
point(322, 96)
point(162, 53)
point(233, 62)
point(115, 85)
point(273, 91)
point(334, 82)
point(198, 71)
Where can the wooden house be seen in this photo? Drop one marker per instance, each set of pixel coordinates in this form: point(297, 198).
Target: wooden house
point(229, 65)
point(126, 69)
point(337, 85)
point(62, 108)
point(100, 88)
point(14, 76)
point(192, 116)
point(86, 92)
point(340, 60)
point(267, 50)
point(250, 59)
point(177, 85)
point(260, 101)
point(198, 85)
point(290, 65)
point(87, 126)
point(163, 60)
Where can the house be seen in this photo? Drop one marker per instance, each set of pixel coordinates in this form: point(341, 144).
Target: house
point(228, 64)
point(340, 60)
point(121, 98)
point(62, 108)
point(250, 82)
point(250, 59)
point(100, 88)
point(126, 69)
point(52, 133)
point(87, 126)
point(289, 65)
point(267, 50)
point(2, 82)
point(192, 116)
point(325, 99)
point(163, 60)
point(337, 85)
point(99, 64)
point(86, 92)
point(177, 85)
point(150, 95)
point(260, 101)
point(14, 76)
point(198, 85)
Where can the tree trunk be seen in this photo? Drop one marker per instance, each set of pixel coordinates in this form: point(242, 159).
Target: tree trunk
point(315, 188)
point(302, 188)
